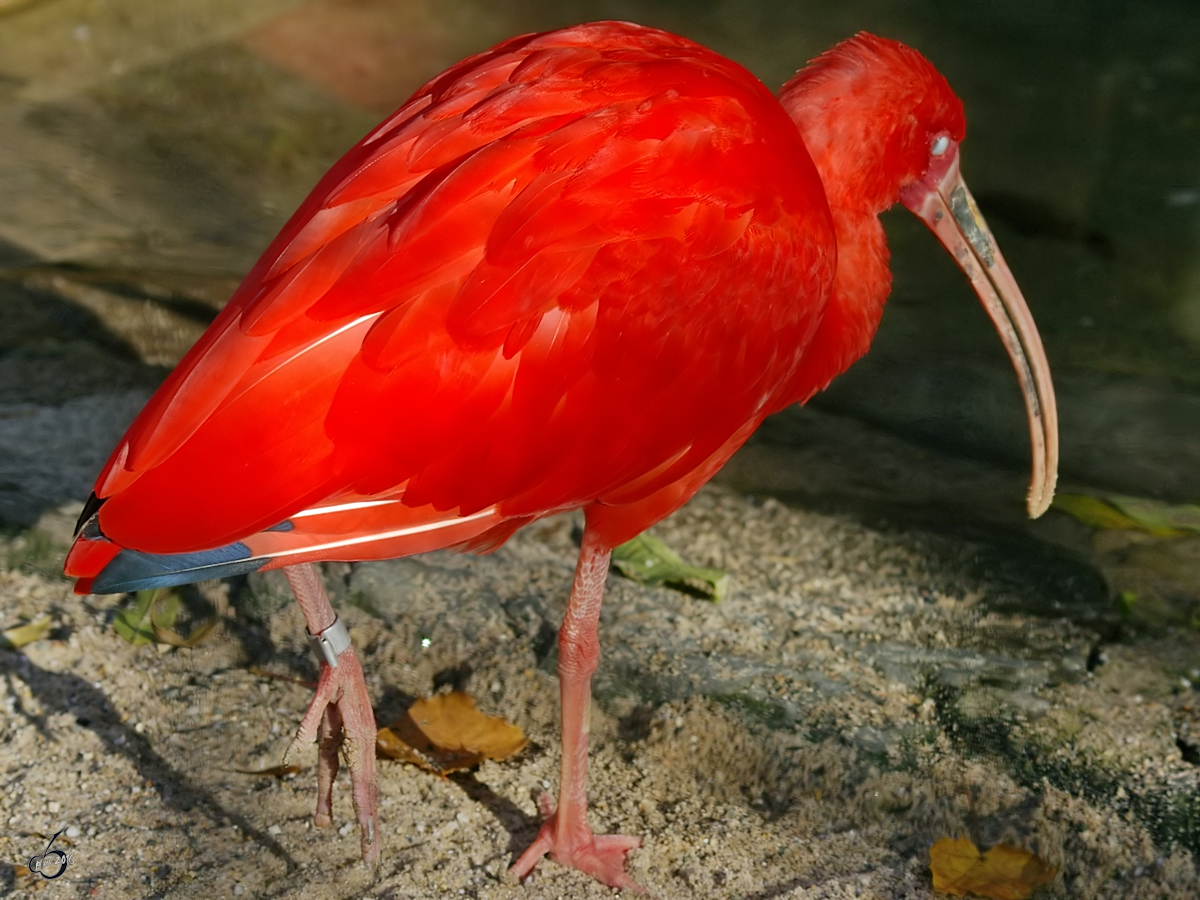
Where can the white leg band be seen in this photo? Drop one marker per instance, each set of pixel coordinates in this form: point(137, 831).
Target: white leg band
point(329, 644)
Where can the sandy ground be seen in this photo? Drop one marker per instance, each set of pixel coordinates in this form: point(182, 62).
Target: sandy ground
point(859, 695)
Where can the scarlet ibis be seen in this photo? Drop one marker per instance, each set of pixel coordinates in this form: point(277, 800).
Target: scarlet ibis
point(575, 271)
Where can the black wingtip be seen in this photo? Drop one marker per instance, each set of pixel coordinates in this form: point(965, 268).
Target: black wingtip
point(89, 509)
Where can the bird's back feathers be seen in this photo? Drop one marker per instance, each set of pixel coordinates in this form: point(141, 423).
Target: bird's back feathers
point(569, 269)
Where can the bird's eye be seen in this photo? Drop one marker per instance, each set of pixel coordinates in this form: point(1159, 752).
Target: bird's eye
point(939, 145)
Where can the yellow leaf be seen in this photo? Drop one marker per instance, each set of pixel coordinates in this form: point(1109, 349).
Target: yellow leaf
point(15, 638)
point(1003, 873)
point(949, 860)
point(446, 733)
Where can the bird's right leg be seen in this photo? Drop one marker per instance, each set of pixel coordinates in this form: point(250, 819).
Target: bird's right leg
point(565, 835)
point(340, 710)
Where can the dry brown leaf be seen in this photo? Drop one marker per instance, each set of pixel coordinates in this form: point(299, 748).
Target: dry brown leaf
point(447, 733)
point(263, 673)
point(418, 750)
point(28, 881)
point(1003, 873)
point(276, 771)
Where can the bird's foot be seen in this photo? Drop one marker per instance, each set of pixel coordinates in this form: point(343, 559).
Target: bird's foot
point(341, 713)
point(600, 855)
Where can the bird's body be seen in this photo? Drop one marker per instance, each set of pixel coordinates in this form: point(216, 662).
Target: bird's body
point(478, 311)
point(575, 271)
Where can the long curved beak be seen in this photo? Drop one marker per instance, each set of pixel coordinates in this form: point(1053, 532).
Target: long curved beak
point(943, 202)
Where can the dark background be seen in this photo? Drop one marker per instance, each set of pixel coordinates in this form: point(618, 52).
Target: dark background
point(148, 152)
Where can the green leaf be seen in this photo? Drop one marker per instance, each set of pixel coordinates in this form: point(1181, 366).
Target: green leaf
point(1093, 511)
point(136, 621)
point(1158, 517)
point(648, 560)
point(1131, 513)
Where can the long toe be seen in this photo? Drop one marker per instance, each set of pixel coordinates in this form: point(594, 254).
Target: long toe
point(601, 856)
point(604, 860)
point(358, 746)
point(341, 711)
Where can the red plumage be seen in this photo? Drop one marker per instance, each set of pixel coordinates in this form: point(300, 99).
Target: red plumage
point(587, 256)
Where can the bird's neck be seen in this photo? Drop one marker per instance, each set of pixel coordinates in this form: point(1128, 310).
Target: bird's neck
point(860, 288)
point(862, 280)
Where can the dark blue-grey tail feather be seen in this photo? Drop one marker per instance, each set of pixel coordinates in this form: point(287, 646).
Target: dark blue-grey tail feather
point(132, 570)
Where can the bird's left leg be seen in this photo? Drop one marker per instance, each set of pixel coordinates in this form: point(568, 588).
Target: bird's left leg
point(340, 710)
point(565, 835)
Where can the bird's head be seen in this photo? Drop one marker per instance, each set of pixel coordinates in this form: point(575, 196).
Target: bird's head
point(883, 102)
point(882, 125)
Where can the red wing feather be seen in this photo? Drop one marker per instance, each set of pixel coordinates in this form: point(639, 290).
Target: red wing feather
point(554, 271)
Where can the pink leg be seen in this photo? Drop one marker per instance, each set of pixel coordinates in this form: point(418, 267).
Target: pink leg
point(341, 711)
point(565, 835)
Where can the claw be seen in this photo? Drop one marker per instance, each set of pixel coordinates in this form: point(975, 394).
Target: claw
point(340, 712)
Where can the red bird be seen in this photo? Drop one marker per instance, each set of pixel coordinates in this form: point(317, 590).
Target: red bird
point(575, 271)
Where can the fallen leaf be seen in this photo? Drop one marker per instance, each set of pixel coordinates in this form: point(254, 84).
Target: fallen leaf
point(263, 673)
point(1158, 517)
point(647, 560)
point(447, 733)
point(1092, 511)
point(174, 639)
point(131, 622)
point(1116, 511)
point(20, 635)
point(424, 755)
point(275, 771)
point(150, 617)
point(27, 880)
point(1003, 873)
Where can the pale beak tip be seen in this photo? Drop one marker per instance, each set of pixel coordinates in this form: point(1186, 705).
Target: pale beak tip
point(1040, 497)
